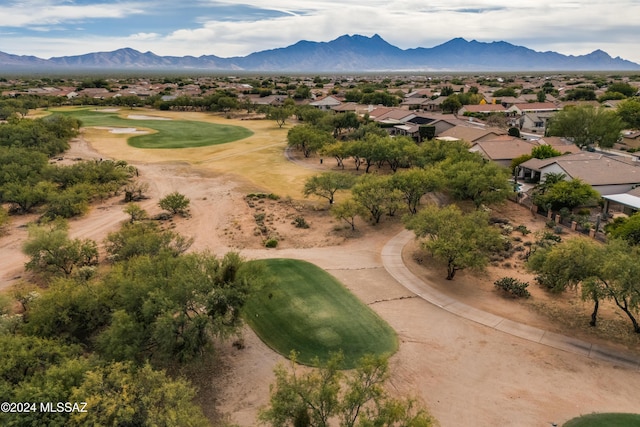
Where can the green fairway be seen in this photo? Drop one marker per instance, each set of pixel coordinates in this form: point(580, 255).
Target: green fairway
point(169, 133)
point(605, 420)
point(307, 310)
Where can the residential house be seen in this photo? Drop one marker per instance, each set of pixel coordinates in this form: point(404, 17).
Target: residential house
point(631, 139)
point(502, 149)
point(471, 134)
point(533, 122)
point(394, 116)
point(532, 107)
point(326, 103)
point(564, 146)
point(607, 174)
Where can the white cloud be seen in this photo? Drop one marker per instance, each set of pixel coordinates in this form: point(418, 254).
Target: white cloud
point(51, 12)
point(568, 27)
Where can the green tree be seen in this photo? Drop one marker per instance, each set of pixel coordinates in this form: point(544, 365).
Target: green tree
point(568, 265)
point(344, 122)
point(398, 152)
point(175, 203)
point(627, 229)
point(135, 212)
point(514, 131)
point(71, 310)
point(544, 152)
point(308, 138)
point(39, 370)
point(565, 194)
point(629, 112)
point(70, 202)
point(587, 126)
point(347, 211)
point(168, 309)
point(480, 181)
point(359, 398)
point(427, 132)
point(279, 114)
point(327, 184)
point(624, 88)
point(144, 238)
point(451, 104)
point(26, 196)
point(580, 94)
point(459, 240)
point(621, 271)
point(414, 183)
point(51, 251)
point(339, 150)
point(309, 114)
point(436, 151)
point(123, 394)
point(373, 193)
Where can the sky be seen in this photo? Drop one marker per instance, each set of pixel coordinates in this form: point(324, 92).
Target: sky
point(226, 28)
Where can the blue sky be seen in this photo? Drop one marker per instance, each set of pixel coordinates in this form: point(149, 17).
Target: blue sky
point(47, 28)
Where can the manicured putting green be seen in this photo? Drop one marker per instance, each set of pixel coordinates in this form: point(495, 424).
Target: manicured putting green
point(605, 420)
point(307, 310)
point(170, 133)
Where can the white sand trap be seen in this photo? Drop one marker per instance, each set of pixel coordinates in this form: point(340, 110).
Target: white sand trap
point(108, 110)
point(122, 130)
point(127, 130)
point(143, 117)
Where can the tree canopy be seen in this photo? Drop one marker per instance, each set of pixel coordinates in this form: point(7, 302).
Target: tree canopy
point(587, 126)
point(327, 184)
point(326, 394)
point(459, 240)
point(564, 194)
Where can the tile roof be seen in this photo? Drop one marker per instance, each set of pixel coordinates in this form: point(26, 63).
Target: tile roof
point(471, 134)
point(504, 148)
point(592, 168)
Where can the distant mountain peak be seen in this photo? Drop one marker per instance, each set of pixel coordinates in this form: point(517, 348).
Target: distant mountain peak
point(345, 53)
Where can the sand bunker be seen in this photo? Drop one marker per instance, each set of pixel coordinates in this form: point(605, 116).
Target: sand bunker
point(143, 117)
point(122, 130)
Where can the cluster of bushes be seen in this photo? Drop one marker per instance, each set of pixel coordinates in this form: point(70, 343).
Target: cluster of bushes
point(514, 287)
point(105, 336)
point(28, 180)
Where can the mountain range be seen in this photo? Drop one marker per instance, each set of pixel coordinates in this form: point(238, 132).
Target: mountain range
point(344, 54)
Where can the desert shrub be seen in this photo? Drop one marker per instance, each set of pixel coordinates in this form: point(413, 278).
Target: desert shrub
point(300, 222)
point(512, 286)
point(175, 203)
point(273, 196)
point(523, 229)
point(550, 224)
point(271, 243)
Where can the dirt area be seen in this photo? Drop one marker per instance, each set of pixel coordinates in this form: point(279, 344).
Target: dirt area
point(465, 373)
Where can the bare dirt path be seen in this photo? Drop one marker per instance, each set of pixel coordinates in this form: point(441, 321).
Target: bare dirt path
point(466, 373)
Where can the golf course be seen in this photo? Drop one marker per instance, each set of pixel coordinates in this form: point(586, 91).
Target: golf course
point(162, 133)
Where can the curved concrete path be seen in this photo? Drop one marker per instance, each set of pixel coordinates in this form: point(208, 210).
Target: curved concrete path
point(394, 264)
